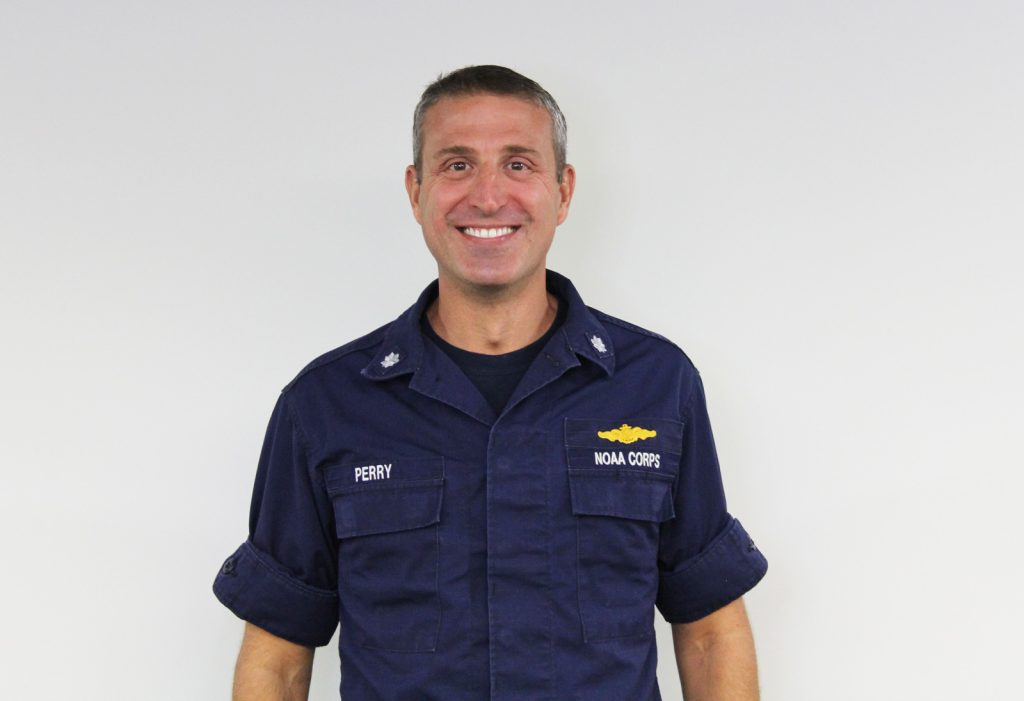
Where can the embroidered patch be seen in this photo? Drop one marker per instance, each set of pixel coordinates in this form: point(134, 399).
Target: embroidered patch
point(627, 434)
point(390, 359)
point(598, 344)
point(651, 446)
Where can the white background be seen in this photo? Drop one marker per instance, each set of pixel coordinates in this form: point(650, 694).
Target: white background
point(820, 201)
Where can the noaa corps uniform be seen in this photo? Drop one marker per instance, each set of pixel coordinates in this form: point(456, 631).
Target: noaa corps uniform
point(472, 555)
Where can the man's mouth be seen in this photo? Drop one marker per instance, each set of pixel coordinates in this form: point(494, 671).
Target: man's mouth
point(490, 233)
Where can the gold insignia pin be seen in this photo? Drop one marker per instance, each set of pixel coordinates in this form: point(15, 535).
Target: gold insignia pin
point(627, 434)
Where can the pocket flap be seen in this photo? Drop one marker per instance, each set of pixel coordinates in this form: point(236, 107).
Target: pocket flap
point(397, 495)
point(645, 496)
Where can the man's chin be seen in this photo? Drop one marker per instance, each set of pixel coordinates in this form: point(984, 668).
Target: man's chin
point(491, 283)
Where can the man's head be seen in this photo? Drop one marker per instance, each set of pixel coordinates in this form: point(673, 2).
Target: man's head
point(490, 184)
point(488, 80)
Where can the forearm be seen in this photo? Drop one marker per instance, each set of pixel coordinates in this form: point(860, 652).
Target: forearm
point(718, 664)
point(271, 669)
point(255, 684)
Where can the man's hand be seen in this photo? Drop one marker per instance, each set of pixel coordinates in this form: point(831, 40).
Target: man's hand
point(715, 656)
point(270, 668)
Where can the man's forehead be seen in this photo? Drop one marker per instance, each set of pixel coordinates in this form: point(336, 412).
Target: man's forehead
point(453, 122)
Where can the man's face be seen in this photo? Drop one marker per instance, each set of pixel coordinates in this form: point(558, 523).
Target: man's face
point(489, 198)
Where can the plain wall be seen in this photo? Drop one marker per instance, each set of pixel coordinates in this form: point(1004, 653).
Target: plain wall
point(820, 202)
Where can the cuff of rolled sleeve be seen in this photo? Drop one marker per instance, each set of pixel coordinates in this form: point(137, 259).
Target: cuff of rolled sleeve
point(260, 591)
point(728, 568)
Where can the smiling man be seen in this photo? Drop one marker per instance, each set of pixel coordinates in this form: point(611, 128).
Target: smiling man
point(493, 492)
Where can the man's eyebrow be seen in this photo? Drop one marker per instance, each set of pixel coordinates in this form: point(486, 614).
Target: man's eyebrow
point(521, 149)
point(455, 151)
point(467, 151)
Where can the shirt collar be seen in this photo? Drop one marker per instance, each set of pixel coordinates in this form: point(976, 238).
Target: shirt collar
point(401, 351)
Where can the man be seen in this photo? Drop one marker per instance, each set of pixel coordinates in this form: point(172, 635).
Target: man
point(494, 491)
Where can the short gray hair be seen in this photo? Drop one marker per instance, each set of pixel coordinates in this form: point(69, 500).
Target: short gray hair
point(488, 80)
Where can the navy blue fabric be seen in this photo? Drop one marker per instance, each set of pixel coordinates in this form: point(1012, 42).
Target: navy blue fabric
point(471, 554)
point(256, 588)
point(711, 580)
point(496, 376)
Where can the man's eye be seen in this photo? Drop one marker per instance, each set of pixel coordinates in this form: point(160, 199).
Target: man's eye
point(518, 165)
point(458, 166)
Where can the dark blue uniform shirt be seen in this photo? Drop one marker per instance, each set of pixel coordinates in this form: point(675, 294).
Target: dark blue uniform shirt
point(470, 555)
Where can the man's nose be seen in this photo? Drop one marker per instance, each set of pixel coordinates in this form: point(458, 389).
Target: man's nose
point(488, 192)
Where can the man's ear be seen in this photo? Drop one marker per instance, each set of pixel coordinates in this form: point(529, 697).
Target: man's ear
point(566, 188)
point(412, 186)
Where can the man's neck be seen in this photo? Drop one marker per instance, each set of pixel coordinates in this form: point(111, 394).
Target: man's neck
point(496, 322)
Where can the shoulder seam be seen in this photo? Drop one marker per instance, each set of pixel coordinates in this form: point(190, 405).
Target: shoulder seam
point(294, 420)
point(370, 339)
point(621, 323)
point(631, 327)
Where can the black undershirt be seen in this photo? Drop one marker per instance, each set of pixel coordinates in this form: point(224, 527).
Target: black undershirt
point(496, 376)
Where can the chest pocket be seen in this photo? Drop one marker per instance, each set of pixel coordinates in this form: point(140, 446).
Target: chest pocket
point(386, 515)
point(621, 478)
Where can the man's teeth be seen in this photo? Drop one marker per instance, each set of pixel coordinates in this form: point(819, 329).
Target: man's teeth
point(487, 233)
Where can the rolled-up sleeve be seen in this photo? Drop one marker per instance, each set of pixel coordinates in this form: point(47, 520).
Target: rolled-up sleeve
point(705, 558)
point(283, 577)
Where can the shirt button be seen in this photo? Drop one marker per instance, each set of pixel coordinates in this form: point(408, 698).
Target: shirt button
point(750, 544)
point(229, 566)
